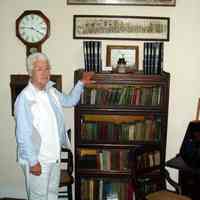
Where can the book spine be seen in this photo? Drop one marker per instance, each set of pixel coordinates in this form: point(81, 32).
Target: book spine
point(161, 56)
point(157, 59)
point(145, 58)
point(93, 55)
point(85, 53)
point(148, 58)
point(90, 56)
point(99, 65)
point(87, 56)
point(153, 57)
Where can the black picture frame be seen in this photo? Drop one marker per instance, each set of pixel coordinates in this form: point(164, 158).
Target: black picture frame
point(107, 27)
point(19, 81)
point(124, 2)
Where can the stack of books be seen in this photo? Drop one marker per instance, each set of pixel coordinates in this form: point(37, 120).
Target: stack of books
point(92, 56)
point(106, 189)
point(153, 58)
point(148, 159)
point(109, 159)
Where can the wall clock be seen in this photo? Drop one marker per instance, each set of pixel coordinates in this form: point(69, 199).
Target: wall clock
point(33, 29)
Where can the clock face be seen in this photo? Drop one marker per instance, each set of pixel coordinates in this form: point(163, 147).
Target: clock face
point(32, 28)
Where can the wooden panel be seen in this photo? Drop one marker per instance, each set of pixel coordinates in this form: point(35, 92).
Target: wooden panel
point(19, 81)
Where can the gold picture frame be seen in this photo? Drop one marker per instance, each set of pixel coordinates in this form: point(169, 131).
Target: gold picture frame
point(128, 53)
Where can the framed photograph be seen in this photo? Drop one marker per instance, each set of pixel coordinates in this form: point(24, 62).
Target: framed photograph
point(121, 27)
point(19, 81)
point(126, 55)
point(124, 2)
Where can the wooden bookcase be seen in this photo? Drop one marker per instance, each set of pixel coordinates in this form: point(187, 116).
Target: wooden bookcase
point(117, 115)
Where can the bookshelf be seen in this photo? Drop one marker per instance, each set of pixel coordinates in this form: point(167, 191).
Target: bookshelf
point(115, 117)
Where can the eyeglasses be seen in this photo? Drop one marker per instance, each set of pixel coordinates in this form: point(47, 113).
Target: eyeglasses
point(42, 68)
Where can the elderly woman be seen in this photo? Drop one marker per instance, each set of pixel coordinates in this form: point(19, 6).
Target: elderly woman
point(40, 127)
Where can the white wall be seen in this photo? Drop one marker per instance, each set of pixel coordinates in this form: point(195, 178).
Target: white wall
point(181, 60)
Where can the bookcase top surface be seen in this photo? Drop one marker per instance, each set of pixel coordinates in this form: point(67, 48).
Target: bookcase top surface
point(110, 76)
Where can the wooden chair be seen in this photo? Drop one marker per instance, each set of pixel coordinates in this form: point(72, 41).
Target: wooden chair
point(166, 194)
point(66, 178)
point(188, 162)
point(156, 176)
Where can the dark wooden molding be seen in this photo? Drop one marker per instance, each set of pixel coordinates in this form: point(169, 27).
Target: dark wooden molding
point(19, 81)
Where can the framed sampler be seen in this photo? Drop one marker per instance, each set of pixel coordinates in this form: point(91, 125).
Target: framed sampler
point(124, 2)
point(117, 27)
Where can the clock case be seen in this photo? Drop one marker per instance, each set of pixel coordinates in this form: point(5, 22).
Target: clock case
point(36, 46)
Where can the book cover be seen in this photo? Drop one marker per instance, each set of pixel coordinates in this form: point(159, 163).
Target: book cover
point(85, 55)
point(99, 60)
point(88, 56)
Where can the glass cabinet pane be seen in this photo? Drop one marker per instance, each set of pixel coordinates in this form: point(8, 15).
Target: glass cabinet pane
point(135, 95)
point(119, 128)
point(106, 189)
point(104, 159)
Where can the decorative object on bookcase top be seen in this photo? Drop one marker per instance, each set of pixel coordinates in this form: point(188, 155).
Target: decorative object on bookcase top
point(153, 57)
point(122, 59)
point(124, 2)
point(117, 27)
point(92, 55)
point(121, 65)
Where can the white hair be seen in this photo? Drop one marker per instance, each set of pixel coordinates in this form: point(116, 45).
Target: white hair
point(32, 58)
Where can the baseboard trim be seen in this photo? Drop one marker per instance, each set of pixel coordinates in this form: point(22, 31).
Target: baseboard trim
point(10, 199)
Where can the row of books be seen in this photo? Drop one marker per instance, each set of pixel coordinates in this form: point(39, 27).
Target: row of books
point(146, 130)
point(130, 95)
point(146, 185)
point(112, 159)
point(92, 55)
point(101, 189)
point(153, 57)
point(148, 159)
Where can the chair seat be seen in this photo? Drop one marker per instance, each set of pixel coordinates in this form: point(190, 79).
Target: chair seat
point(165, 195)
point(65, 178)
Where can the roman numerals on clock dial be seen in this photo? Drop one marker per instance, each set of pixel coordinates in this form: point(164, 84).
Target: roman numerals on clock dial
point(32, 28)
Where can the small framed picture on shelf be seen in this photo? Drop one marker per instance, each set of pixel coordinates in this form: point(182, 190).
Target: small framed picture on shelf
point(122, 59)
point(116, 27)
